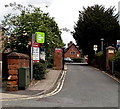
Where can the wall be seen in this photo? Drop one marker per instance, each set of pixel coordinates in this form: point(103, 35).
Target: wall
point(15, 61)
point(58, 59)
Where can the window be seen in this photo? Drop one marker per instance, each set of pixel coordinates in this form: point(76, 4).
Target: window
point(72, 52)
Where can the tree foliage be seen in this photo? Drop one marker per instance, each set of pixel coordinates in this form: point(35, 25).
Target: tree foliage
point(30, 20)
point(94, 23)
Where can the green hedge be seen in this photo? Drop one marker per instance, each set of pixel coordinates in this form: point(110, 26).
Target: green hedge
point(39, 70)
point(100, 60)
point(116, 60)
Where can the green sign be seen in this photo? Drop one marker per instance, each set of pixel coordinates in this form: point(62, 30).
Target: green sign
point(40, 37)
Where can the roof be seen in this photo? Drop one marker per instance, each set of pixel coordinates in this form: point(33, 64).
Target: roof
point(70, 47)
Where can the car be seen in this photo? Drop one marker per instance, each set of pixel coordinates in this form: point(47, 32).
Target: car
point(68, 60)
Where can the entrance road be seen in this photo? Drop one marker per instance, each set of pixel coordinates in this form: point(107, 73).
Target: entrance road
point(84, 86)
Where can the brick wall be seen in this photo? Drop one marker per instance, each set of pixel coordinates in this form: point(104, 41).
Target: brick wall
point(109, 55)
point(15, 61)
point(72, 49)
point(58, 59)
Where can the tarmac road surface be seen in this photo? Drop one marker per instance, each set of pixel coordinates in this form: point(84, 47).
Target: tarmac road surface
point(83, 86)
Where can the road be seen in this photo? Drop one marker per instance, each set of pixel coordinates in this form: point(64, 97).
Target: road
point(84, 86)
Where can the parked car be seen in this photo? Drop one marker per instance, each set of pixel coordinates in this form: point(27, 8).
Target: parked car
point(68, 60)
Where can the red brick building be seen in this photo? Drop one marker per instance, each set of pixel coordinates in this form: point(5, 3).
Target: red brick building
point(72, 51)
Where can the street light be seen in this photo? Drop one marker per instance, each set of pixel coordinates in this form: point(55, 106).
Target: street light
point(95, 48)
point(102, 39)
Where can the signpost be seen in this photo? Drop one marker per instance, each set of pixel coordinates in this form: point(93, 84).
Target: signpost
point(35, 48)
point(33, 40)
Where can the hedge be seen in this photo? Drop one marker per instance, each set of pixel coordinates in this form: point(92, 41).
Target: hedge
point(39, 70)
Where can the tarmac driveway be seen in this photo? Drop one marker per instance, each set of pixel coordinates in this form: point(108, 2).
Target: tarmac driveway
point(84, 86)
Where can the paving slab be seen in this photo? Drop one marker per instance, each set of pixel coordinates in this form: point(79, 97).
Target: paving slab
point(39, 87)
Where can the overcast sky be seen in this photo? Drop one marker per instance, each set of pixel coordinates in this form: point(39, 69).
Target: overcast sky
point(65, 11)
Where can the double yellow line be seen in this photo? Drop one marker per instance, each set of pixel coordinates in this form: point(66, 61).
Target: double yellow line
point(55, 91)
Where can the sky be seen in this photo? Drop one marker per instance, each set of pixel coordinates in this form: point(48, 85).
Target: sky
point(65, 12)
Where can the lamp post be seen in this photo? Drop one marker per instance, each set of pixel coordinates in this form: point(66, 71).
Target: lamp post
point(102, 44)
point(95, 48)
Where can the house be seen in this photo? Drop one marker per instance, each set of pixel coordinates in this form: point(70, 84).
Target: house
point(72, 51)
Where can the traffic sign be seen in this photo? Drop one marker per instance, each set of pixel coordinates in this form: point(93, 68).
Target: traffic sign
point(40, 37)
point(118, 43)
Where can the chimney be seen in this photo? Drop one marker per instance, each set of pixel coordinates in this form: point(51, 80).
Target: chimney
point(70, 43)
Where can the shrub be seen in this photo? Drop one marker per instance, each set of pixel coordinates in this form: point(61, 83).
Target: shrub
point(100, 60)
point(99, 54)
point(49, 63)
point(39, 70)
point(116, 60)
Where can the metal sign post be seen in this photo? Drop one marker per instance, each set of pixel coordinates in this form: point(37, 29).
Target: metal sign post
point(40, 38)
point(33, 40)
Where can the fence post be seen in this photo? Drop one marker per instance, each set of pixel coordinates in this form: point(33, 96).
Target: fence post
point(112, 67)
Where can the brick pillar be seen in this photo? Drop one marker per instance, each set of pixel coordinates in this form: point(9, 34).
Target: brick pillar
point(58, 59)
point(15, 61)
point(110, 53)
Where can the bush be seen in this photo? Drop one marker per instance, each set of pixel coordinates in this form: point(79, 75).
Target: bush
point(99, 54)
point(49, 65)
point(39, 70)
point(100, 60)
point(117, 57)
point(116, 60)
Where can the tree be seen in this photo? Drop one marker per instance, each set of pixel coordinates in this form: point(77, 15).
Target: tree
point(94, 23)
point(30, 20)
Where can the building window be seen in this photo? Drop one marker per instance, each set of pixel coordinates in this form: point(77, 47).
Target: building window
point(72, 52)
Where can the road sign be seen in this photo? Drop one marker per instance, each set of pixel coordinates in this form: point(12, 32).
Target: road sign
point(40, 37)
point(42, 53)
point(36, 52)
point(35, 44)
point(118, 43)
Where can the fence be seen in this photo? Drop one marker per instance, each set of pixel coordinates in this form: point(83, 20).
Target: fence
point(115, 68)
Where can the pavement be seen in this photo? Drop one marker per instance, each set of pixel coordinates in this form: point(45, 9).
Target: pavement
point(36, 87)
